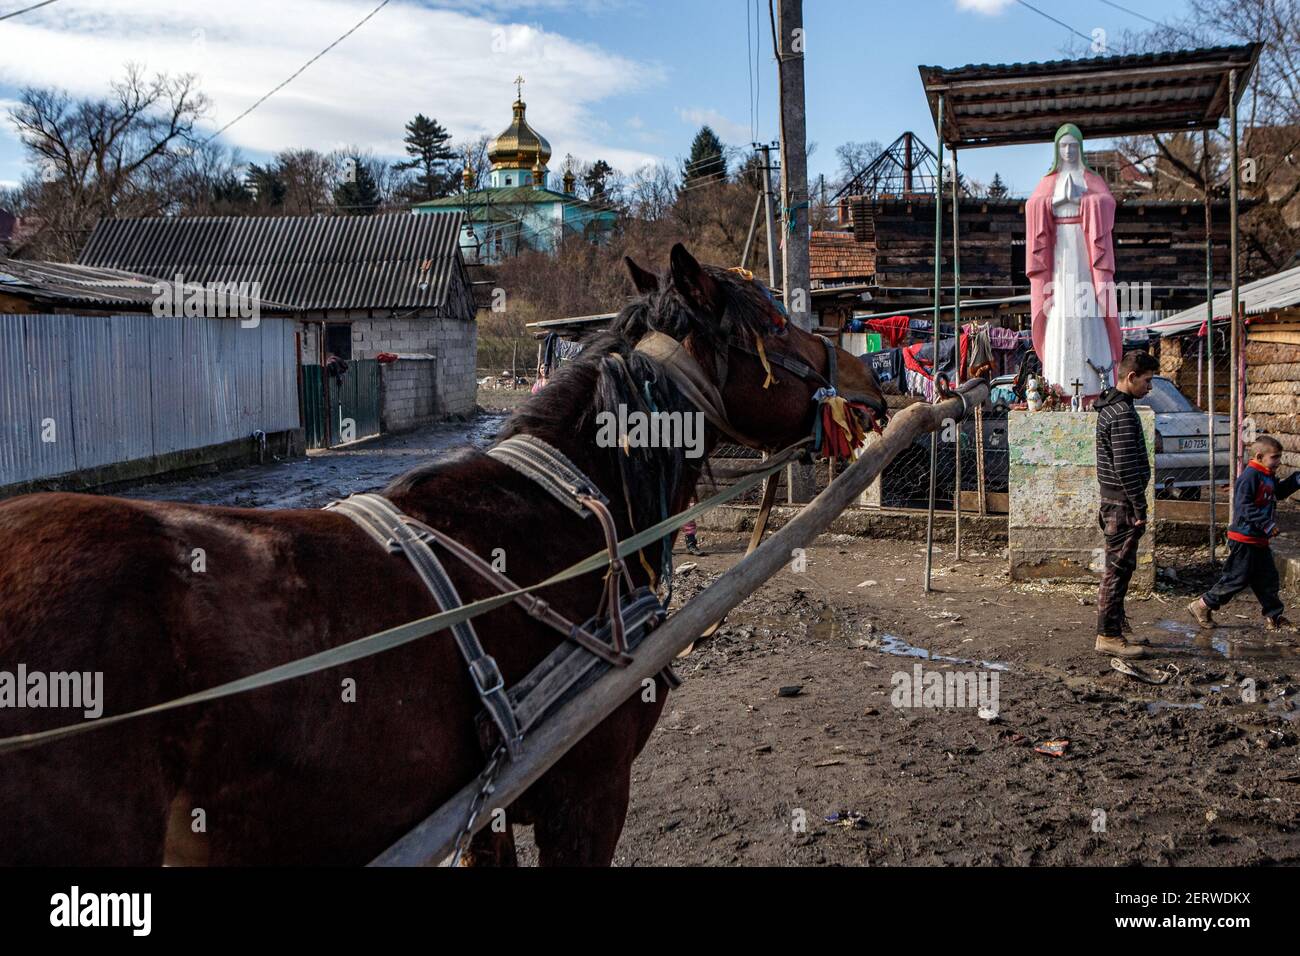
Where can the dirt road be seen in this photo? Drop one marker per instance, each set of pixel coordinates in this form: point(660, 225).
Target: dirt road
point(1183, 773)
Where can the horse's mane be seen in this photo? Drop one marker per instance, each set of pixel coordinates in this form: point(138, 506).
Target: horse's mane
point(608, 372)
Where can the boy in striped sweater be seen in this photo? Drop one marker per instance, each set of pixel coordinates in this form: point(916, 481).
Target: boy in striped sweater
point(1250, 559)
point(1123, 471)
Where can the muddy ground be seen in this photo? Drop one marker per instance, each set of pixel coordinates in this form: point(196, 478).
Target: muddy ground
point(1185, 773)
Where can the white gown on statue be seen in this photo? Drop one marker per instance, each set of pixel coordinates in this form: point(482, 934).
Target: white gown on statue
point(1076, 330)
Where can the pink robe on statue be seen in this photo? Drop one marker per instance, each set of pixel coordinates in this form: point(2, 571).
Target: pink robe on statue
point(1097, 209)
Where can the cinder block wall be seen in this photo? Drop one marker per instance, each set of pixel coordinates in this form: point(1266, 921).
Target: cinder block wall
point(1052, 530)
point(456, 344)
point(407, 394)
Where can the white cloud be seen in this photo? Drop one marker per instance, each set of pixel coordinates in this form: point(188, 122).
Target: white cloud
point(988, 7)
point(730, 132)
point(457, 65)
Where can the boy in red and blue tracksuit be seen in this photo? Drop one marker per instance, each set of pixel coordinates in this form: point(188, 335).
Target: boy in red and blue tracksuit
point(1250, 559)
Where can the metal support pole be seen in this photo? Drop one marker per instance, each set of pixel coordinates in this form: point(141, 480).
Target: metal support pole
point(956, 331)
point(1209, 335)
point(771, 224)
point(1234, 328)
point(753, 228)
point(934, 338)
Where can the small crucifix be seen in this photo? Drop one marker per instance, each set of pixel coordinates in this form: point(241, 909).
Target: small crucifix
point(1076, 403)
point(519, 87)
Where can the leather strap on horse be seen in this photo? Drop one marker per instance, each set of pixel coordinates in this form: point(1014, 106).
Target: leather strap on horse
point(549, 468)
point(690, 379)
point(394, 532)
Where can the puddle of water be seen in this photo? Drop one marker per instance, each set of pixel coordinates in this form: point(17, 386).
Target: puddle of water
point(1230, 648)
point(892, 644)
point(1158, 705)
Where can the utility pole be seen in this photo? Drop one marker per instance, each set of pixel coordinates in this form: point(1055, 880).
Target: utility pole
point(795, 279)
point(794, 164)
point(772, 274)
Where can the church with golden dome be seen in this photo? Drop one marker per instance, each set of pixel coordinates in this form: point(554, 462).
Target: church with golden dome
point(516, 209)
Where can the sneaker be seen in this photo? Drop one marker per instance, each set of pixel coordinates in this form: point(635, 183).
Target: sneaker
point(1204, 616)
point(1279, 623)
point(1118, 647)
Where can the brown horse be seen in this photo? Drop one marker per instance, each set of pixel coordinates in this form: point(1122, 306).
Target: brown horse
point(320, 769)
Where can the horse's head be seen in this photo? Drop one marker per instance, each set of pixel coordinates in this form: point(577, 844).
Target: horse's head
point(766, 370)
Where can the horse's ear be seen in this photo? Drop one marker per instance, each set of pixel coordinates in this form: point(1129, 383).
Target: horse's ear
point(694, 284)
point(645, 282)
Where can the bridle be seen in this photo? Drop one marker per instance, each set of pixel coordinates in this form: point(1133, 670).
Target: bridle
point(687, 374)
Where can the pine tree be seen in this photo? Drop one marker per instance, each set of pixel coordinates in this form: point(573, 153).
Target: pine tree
point(266, 184)
point(706, 162)
point(997, 188)
point(426, 144)
point(595, 177)
point(361, 196)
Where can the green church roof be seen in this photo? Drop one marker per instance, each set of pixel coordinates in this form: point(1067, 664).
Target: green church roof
point(504, 196)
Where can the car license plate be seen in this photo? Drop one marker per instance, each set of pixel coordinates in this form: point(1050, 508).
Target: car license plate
point(1194, 443)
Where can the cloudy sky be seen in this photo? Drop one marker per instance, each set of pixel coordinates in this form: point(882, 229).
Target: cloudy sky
point(629, 81)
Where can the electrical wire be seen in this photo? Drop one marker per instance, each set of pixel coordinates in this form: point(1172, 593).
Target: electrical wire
point(298, 71)
point(34, 6)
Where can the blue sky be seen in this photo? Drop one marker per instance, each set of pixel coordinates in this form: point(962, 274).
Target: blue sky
point(629, 81)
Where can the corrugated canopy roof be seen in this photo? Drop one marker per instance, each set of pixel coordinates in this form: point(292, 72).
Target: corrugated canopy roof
point(1279, 291)
point(987, 105)
point(393, 261)
point(108, 289)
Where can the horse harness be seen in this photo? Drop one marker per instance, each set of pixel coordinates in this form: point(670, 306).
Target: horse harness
point(592, 647)
point(622, 620)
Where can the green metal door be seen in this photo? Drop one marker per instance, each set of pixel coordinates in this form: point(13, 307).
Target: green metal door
point(311, 396)
point(354, 402)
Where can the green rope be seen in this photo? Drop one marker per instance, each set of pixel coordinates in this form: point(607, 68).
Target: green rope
point(393, 637)
point(789, 211)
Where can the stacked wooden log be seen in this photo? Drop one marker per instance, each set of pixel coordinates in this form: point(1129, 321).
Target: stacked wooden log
point(1273, 392)
point(1161, 243)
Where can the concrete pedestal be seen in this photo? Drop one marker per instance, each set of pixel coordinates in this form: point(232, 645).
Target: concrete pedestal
point(1052, 531)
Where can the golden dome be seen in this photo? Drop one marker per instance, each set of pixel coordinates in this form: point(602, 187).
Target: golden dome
point(519, 146)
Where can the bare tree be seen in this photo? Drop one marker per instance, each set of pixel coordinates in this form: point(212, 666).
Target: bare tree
point(105, 157)
point(1269, 120)
point(854, 157)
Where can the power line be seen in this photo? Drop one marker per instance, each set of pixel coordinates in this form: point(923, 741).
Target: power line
point(749, 68)
point(297, 72)
point(34, 6)
point(1143, 16)
point(1060, 23)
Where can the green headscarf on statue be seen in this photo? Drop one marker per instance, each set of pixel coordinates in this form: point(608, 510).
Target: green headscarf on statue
point(1069, 129)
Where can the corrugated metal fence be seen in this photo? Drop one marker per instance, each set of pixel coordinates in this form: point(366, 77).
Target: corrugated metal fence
point(80, 391)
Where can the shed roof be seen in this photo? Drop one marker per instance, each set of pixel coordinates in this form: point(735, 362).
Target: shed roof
point(391, 261)
point(1278, 291)
point(838, 255)
point(62, 283)
point(997, 105)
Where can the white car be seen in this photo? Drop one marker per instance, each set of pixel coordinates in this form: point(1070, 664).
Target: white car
point(1183, 442)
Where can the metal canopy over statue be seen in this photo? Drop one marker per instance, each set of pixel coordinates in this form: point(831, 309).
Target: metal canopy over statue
point(1070, 262)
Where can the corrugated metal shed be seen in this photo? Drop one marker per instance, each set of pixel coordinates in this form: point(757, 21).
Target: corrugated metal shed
point(1280, 291)
point(394, 261)
point(82, 391)
point(61, 283)
point(996, 105)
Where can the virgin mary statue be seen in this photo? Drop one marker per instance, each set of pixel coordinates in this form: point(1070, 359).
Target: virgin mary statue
point(1070, 261)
